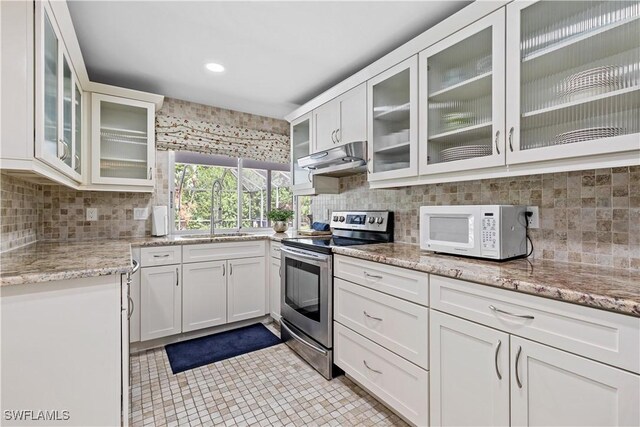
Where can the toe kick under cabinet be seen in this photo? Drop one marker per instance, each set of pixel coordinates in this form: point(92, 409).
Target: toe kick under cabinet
point(192, 287)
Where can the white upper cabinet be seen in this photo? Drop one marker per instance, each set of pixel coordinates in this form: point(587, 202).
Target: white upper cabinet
point(341, 120)
point(573, 81)
point(462, 89)
point(122, 141)
point(57, 98)
point(300, 147)
point(392, 98)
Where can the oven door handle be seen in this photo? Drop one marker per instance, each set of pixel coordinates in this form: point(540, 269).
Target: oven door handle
point(305, 255)
point(303, 341)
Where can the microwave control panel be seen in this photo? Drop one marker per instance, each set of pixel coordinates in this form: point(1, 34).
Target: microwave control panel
point(489, 231)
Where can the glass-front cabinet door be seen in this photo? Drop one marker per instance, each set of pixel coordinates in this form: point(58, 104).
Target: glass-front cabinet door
point(56, 85)
point(123, 141)
point(77, 129)
point(392, 122)
point(462, 88)
point(300, 147)
point(573, 78)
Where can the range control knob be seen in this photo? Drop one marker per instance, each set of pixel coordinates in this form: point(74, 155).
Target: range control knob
point(371, 220)
point(341, 219)
point(380, 220)
point(335, 218)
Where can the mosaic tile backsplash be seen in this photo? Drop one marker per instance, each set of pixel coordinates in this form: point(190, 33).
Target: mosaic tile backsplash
point(590, 216)
point(19, 212)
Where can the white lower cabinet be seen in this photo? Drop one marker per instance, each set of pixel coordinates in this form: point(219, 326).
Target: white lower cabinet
point(469, 373)
point(246, 288)
point(160, 302)
point(204, 295)
point(397, 382)
point(551, 387)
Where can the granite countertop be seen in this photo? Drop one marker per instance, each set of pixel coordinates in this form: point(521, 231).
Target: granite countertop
point(49, 261)
point(600, 287)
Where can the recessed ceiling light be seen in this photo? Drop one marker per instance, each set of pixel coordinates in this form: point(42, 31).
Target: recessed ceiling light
point(216, 68)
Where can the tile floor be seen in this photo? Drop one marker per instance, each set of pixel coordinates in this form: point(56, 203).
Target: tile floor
point(267, 387)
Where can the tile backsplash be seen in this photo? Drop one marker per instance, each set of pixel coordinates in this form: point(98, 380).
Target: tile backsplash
point(19, 212)
point(590, 216)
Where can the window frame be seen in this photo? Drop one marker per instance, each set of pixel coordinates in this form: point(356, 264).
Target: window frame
point(212, 160)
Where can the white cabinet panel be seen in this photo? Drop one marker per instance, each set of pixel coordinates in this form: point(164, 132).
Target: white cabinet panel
point(275, 275)
point(353, 116)
point(554, 388)
point(246, 290)
point(326, 123)
point(400, 384)
point(222, 251)
point(160, 255)
point(400, 282)
point(204, 295)
point(398, 325)
point(601, 335)
point(160, 302)
point(469, 373)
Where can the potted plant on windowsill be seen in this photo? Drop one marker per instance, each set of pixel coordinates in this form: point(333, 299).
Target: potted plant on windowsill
point(280, 217)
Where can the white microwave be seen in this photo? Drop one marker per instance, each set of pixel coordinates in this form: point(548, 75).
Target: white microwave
point(484, 231)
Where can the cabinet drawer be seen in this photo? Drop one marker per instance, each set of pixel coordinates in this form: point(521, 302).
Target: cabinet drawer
point(597, 334)
point(400, 282)
point(161, 255)
point(399, 384)
point(275, 249)
point(398, 325)
point(222, 251)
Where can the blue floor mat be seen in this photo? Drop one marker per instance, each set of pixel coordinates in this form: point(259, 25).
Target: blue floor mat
point(224, 345)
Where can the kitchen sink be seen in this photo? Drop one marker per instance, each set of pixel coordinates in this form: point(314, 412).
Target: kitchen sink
point(209, 236)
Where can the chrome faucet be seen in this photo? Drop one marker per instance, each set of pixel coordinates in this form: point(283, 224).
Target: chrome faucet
point(216, 184)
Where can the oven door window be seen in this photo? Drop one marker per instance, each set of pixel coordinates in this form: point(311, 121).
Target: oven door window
point(302, 288)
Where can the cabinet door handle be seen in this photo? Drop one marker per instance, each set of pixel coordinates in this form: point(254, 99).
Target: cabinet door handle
point(150, 173)
point(370, 316)
point(223, 270)
point(372, 276)
point(177, 277)
point(161, 256)
point(333, 134)
point(337, 135)
point(230, 269)
point(309, 176)
point(369, 164)
point(496, 142)
point(511, 139)
point(77, 160)
point(131, 307)
point(280, 270)
point(65, 150)
point(370, 368)
point(518, 373)
point(521, 316)
point(496, 359)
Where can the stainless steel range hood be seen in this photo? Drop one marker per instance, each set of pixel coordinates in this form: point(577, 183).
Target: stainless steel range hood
point(348, 159)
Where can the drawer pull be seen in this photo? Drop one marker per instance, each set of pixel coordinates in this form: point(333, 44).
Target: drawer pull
point(517, 373)
point(496, 359)
point(370, 368)
point(276, 249)
point(370, 316)
point(372, 276)
point(521, 316)
point(161, 256)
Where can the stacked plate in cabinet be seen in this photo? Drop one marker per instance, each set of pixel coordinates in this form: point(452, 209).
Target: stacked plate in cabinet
point(591, 82)
point(464, 152)
point(587, 134)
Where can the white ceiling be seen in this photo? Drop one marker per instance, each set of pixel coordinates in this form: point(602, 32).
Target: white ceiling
point(278, 55)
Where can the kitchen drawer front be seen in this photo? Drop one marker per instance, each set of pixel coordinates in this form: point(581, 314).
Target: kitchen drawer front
point(160, 255)
point(398, 325)
point(222, 251)
point(596, 334)
point(399, 384)
point(399, 282)
point(275, 249)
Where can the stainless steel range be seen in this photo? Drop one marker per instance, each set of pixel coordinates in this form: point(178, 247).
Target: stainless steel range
point(307, 282)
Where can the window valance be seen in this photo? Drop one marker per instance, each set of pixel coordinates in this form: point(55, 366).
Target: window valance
point(180, 134)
